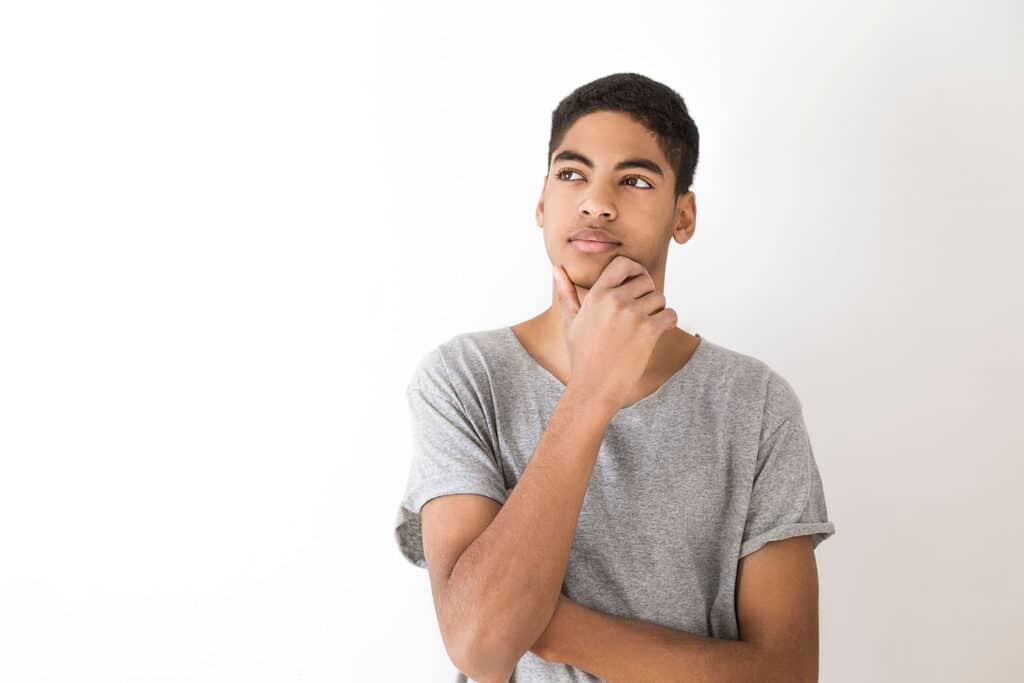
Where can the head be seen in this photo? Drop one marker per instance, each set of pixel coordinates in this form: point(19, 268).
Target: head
point(621, 158)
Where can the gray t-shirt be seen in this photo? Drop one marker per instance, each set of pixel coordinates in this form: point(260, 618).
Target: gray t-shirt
point(707, 469)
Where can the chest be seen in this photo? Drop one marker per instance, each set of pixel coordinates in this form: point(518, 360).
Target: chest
point(654, 495)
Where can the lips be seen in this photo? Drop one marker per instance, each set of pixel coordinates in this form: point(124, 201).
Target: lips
point(593, 246)
point(593, 235)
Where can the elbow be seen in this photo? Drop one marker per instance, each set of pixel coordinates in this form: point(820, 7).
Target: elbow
point(483, 676)
point(485, 659)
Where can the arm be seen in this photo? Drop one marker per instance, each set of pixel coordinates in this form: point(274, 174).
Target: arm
point(505, 585)
point(777, 607)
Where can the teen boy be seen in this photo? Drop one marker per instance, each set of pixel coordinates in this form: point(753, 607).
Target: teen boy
point(596, 493)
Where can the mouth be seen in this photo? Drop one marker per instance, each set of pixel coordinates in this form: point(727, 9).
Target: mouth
point(594, 235)
point(594, 246)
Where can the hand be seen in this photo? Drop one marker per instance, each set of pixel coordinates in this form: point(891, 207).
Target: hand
point(545, 645)
point(612, 335)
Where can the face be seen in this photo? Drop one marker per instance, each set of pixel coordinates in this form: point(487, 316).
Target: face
point(609, 174)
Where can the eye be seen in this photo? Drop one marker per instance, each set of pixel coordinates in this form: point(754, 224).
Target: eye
point(565, 170)
point(634, 177)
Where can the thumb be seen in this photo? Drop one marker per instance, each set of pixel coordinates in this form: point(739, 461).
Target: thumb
point(570, 303)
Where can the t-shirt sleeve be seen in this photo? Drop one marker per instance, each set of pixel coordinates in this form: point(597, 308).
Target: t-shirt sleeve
point(787, 498)
point(451, 452)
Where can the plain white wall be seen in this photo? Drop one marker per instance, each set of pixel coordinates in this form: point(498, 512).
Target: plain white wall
point(229, 230)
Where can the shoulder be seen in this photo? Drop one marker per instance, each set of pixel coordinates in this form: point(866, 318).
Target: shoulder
point(760, 384)
point(465, 359)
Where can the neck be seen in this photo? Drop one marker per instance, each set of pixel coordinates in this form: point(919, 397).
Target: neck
point(549, 334)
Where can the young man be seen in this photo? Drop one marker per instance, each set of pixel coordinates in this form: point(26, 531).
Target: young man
point(596, 493)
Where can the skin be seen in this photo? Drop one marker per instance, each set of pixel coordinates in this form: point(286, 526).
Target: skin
point(636, 205)
point(776, 586)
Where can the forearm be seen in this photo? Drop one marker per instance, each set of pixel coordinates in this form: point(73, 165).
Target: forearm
point(509, 579)
point(619, 649)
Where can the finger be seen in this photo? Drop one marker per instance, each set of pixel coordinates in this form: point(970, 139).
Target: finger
point(651, 303)
point(617, 271)
point(666, 319)
point(638, 286)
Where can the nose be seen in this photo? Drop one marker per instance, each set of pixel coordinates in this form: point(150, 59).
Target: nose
point(592, 207)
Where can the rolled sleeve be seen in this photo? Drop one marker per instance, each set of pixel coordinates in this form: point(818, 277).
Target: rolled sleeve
point(787, 497)
point(451, 454)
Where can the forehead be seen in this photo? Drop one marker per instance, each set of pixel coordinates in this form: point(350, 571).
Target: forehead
point(609, 136)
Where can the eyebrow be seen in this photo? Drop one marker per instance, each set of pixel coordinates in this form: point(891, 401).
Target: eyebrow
point(570, 155)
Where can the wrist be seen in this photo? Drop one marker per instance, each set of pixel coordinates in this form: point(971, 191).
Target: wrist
point(547, 646)
point(589, 401)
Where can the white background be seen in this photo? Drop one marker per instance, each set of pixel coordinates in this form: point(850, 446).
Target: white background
point(229, 230)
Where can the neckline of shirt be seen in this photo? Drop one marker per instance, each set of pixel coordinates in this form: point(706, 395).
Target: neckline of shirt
point(674, 378)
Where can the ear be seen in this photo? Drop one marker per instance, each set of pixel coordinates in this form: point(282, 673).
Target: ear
point(540, 203)
point(685, 217)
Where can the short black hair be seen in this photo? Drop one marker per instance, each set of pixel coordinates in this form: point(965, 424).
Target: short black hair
point(659, 108)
